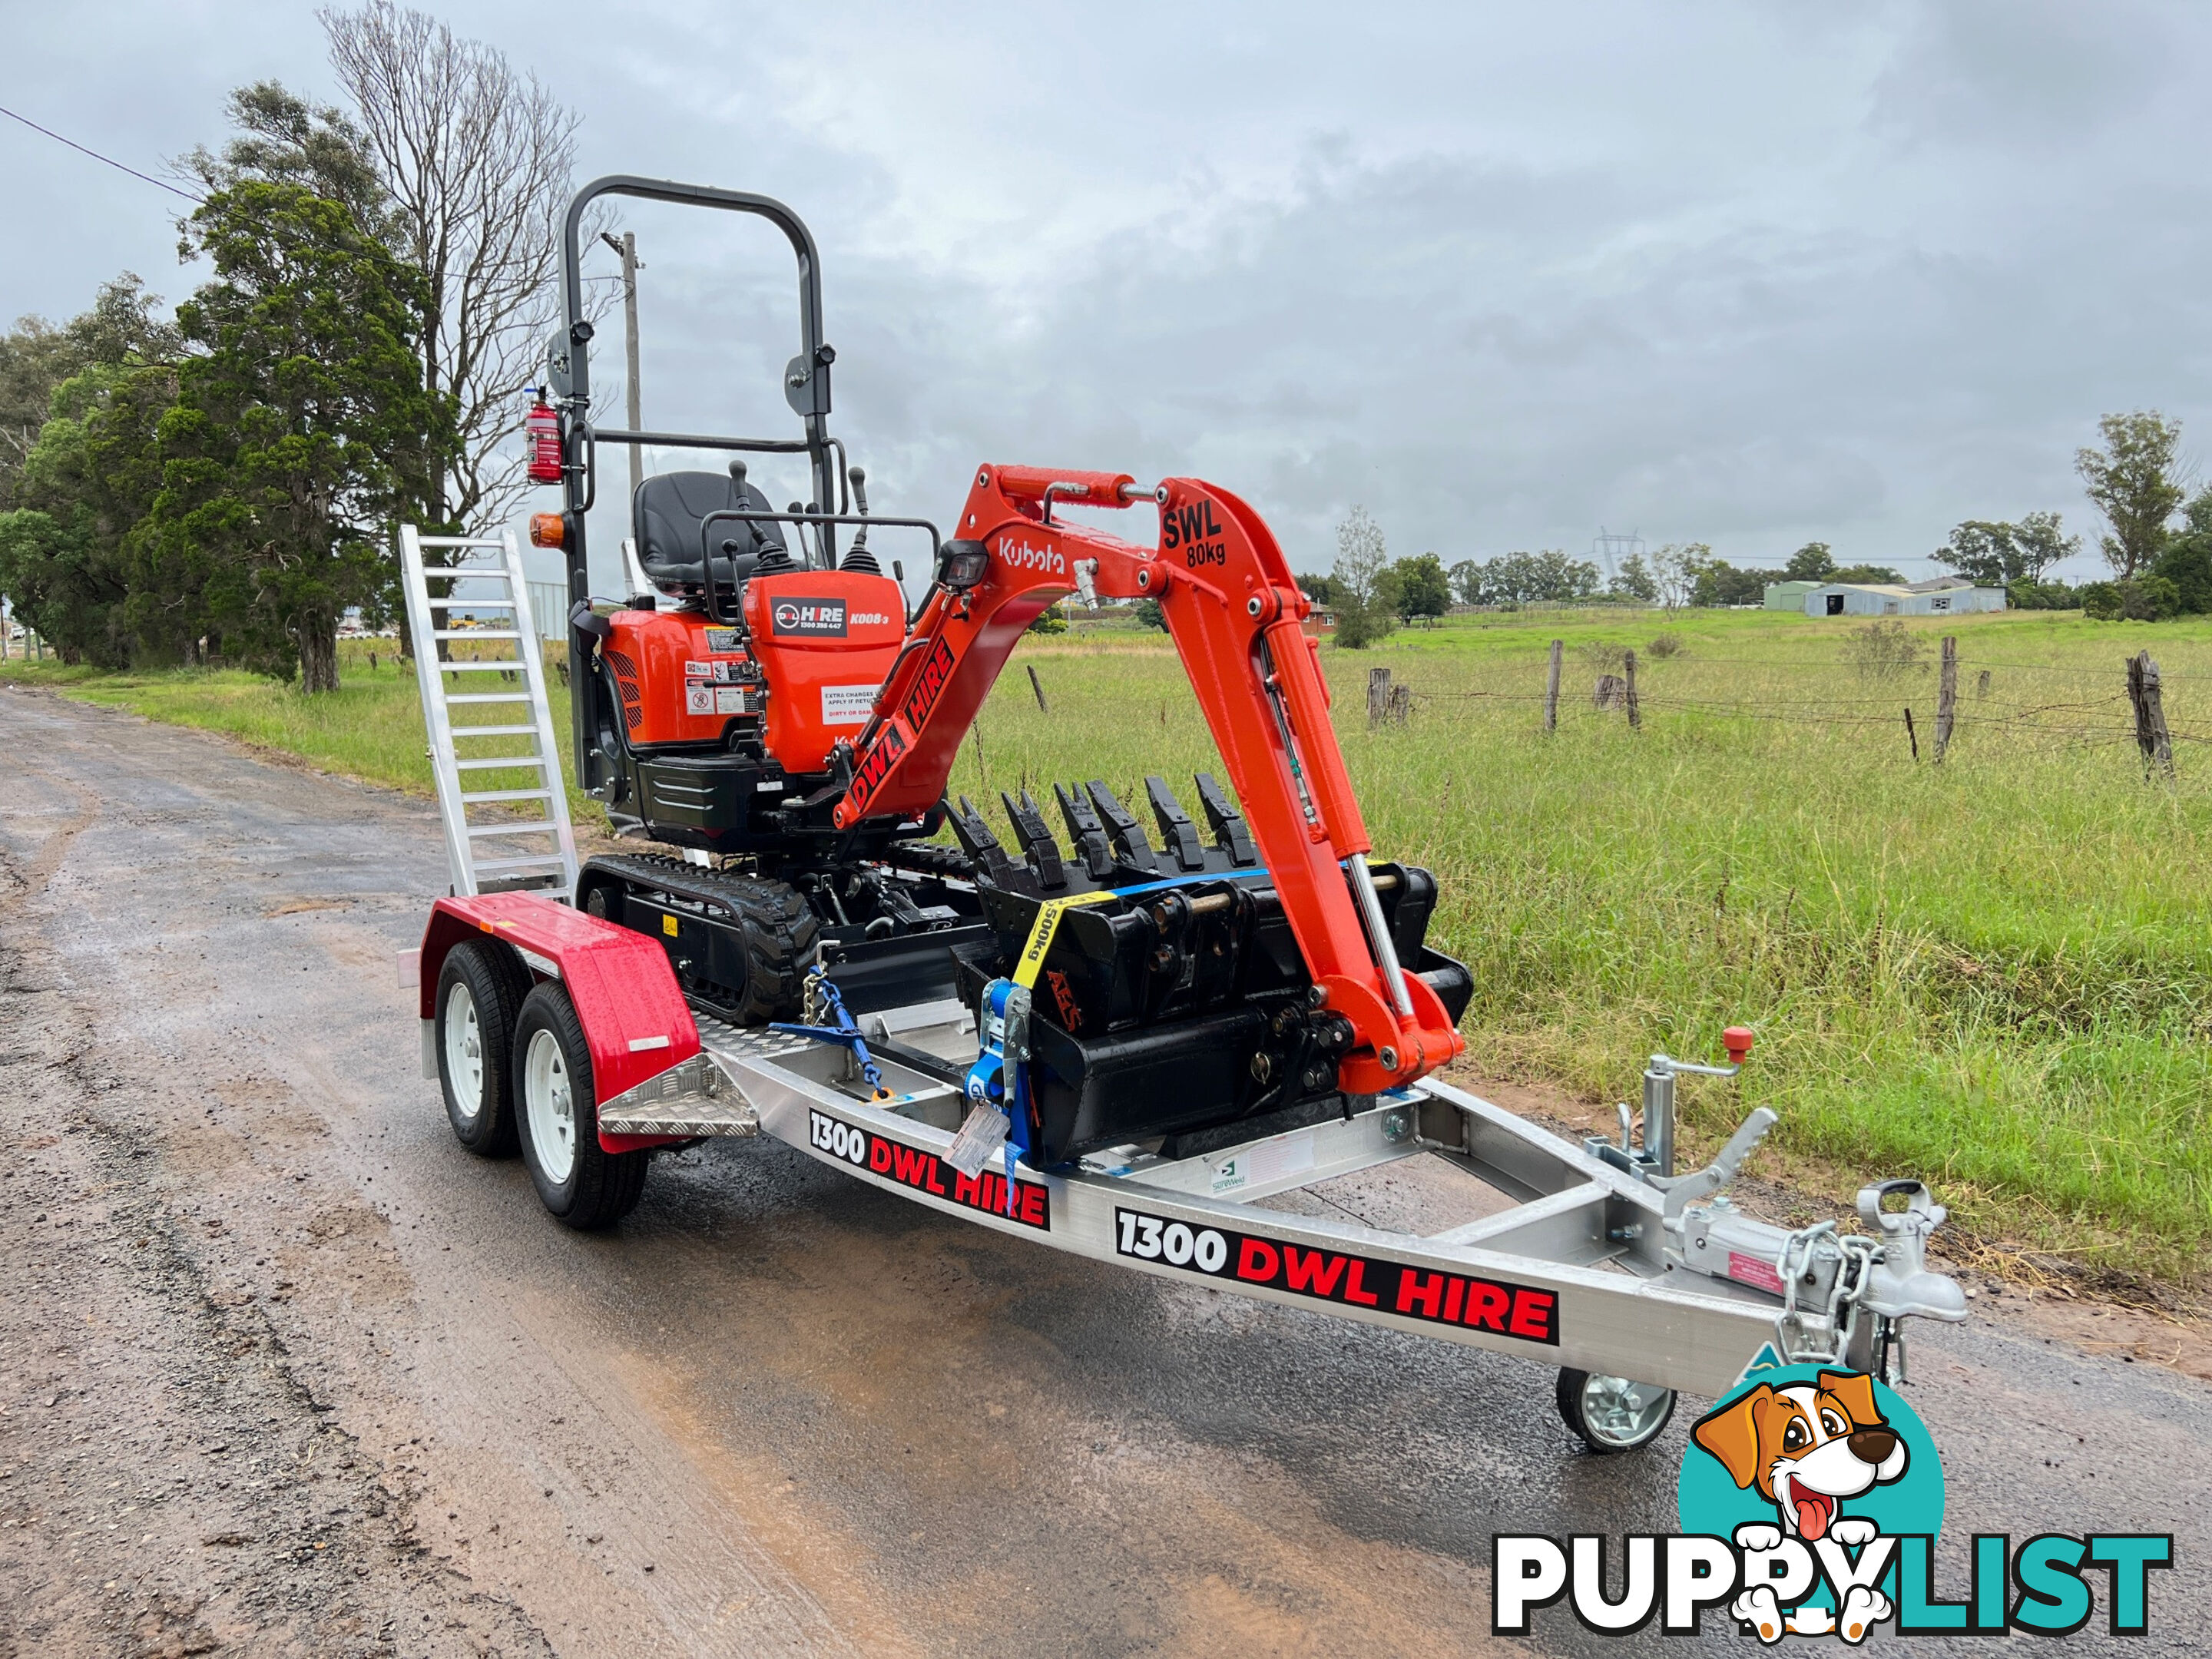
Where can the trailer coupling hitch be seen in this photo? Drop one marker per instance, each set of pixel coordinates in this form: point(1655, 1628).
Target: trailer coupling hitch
point(1827, 1280)
point(828, 1020)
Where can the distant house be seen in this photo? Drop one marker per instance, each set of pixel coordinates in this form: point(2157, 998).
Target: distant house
point(1945, 596)
point(1787, 596)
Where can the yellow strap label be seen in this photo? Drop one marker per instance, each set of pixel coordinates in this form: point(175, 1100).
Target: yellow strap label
point(1041, 931)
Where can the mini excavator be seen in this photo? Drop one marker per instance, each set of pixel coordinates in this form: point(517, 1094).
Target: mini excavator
point(1161, 1022)
point(769, 711)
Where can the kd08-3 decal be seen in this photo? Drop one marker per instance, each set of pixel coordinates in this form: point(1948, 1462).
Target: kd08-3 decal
point(1437, 1298)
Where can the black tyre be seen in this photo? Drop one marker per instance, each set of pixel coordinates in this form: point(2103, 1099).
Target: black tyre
point(480, 991)
point(583, 1186)
point(1611, 1414)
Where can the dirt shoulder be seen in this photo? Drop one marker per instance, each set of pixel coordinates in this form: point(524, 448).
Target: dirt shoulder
point(172, 1479)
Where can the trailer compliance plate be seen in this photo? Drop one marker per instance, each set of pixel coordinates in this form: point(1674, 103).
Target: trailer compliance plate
point(926, 1172)
point(1437, 1298)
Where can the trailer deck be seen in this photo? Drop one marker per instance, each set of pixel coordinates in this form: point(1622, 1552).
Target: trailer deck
point(1561, 1258)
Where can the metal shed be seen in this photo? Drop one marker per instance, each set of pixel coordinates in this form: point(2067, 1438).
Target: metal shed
point(1946, 596)
point(1787, 596)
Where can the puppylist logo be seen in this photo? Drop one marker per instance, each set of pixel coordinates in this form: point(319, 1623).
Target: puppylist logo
point(1810, 1499)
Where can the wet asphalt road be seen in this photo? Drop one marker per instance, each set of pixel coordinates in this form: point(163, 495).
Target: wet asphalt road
point(777, 1412)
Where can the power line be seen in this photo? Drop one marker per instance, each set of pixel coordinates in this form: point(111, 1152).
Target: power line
point(97, 156)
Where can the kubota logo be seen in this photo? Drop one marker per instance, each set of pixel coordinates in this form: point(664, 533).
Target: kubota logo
point(1022, 557)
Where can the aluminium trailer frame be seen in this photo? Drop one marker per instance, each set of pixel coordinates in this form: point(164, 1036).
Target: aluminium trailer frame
point(1562, 1261)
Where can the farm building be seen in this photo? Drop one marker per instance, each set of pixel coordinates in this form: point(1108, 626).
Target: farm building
point(1946, 596)
point(1787, 596)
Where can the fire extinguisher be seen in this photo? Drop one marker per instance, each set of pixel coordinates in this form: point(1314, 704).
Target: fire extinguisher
point(541, 429)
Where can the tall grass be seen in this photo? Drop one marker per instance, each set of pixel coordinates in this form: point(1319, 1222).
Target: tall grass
point(1994, 974)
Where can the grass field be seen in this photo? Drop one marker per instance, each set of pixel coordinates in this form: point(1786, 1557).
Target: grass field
point(1994, 974)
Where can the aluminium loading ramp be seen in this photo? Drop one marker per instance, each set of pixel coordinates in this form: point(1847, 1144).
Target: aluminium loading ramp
point(500, 791)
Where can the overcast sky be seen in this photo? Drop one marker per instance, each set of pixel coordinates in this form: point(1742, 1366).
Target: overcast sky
point(1750, 275)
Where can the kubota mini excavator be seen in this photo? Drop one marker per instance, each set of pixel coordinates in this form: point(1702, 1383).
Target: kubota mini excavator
point(770, 710)
point(1159, 1027)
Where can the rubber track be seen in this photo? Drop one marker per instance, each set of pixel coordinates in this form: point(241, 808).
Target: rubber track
point(780, 927)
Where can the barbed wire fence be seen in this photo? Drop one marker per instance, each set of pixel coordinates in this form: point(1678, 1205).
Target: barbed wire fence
point(2131, 710)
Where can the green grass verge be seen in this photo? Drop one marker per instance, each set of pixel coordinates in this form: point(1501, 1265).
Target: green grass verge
point(1994, 974)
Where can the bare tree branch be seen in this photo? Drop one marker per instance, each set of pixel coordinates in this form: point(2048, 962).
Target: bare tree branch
point(479, 161)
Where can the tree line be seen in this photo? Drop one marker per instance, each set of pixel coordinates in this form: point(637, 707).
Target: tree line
point(218, 486)
point(2158, 541)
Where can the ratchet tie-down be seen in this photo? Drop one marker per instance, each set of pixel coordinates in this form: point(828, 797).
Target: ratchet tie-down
point(1001, 1109)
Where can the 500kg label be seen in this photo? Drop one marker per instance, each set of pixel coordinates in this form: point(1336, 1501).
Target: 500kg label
point(1436, 1298)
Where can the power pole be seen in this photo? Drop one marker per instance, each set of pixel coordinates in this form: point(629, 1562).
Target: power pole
point(628, 248)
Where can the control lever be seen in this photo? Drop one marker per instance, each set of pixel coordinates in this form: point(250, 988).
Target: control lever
point(859, 501)
point(1682, 1191)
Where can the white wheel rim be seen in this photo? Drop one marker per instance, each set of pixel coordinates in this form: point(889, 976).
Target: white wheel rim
point(551, 1106)
point(463, 1051)
point(1624, 1413)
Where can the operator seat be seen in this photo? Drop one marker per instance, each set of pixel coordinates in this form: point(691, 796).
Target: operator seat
point(666, 516)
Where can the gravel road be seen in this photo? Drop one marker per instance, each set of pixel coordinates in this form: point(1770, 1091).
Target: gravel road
point(284, 1370)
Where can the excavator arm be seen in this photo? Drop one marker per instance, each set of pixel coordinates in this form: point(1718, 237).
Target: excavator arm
point(1233, 609)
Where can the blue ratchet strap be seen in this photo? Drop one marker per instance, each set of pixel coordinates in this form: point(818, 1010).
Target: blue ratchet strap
point(844, 1033)
point(1001, 1079)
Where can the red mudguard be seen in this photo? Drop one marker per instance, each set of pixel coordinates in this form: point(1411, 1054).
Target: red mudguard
point(625, 994)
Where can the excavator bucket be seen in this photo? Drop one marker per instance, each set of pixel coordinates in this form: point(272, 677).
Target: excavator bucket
point(1168, 995)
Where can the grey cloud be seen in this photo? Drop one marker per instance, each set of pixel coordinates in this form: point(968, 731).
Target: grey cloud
point(1730, 272)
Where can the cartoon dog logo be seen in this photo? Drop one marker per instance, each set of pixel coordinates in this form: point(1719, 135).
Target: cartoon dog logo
point(1806, 1448)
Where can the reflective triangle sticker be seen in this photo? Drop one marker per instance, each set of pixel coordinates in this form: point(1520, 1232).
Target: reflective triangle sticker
point(1767, 1359)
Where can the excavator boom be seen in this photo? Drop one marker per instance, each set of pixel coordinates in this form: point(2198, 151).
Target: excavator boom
point(1233, 610)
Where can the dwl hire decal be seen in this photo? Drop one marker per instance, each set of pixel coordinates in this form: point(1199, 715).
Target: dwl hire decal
point(1810, 1499)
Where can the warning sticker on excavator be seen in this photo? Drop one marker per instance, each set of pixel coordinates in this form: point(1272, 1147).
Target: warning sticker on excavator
point(848, 705)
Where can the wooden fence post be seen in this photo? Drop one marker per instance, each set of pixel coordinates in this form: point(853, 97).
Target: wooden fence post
point(1552, 688)
point(1982, 683)
point(1947, 697)
point(1037, 686)
point(1628, 673)
point(1378, 695)
point(2151, 735)
point(1398, 706)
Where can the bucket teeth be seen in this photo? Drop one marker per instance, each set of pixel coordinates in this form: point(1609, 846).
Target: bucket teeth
point(1178, 834)
point(1084, 832)
point(977, 842)
point(1037, 843)
point(1230, 834)
point(1123, 833)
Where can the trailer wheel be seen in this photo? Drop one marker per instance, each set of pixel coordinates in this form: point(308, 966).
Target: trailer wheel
point(583, 1186)
point(1611, 1414)
point(480, 989)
